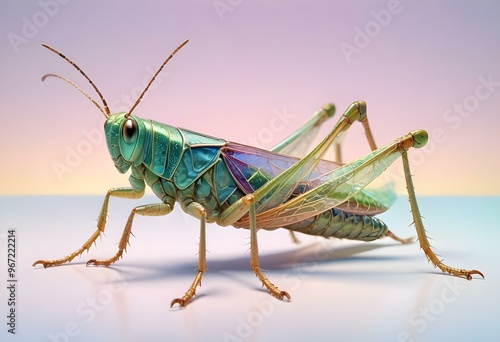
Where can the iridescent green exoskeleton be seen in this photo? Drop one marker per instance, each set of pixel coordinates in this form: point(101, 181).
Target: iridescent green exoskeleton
point(232, 184)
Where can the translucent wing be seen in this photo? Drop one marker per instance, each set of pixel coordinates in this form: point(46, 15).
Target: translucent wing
point(282, 192)
point(371, 201)
point(334, 190)
point(251, 168)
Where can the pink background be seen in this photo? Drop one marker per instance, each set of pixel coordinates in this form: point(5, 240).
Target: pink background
point(240, 68)
point(241, 72)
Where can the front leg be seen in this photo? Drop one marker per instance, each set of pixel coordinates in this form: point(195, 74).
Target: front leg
point(101, 223)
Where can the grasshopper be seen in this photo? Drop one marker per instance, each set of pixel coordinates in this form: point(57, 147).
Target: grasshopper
point(232, 184)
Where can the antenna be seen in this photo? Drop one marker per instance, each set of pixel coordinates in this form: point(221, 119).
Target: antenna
point(154, 77)
point(79, 89)
point(105, 111)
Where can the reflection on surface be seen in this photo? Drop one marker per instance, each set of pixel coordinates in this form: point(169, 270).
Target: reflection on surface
point(387, 288)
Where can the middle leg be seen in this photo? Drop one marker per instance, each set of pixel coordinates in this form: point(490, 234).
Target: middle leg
point(254, 259)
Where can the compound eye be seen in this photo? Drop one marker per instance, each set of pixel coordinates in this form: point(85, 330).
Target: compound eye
point(129, 130)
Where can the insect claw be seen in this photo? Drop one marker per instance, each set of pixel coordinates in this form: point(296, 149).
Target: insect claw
point(283, 294)
point(38, 262)
point(471, 272)
point(179, 301)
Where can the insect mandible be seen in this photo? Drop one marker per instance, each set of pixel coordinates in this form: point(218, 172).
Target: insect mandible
point(232, 184)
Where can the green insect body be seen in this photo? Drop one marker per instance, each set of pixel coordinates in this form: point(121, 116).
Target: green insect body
point(177, 164)
point(232, 184)
point(186, 167)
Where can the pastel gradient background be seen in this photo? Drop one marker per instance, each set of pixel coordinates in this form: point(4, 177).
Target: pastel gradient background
point(244, 63)
point(252, 72)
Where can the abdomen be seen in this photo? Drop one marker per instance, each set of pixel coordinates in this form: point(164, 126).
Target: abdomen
point(339, 224)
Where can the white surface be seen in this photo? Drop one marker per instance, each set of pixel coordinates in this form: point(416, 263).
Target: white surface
point(379, 291)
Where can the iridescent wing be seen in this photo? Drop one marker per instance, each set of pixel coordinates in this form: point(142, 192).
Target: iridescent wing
point(251, 168)
point(289, 189)
point(342, 187)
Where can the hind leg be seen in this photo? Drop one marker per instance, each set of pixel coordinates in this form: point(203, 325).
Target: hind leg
point(419, 226)
point(397, 238)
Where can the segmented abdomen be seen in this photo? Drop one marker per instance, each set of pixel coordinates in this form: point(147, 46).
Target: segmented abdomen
point(339, 224)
